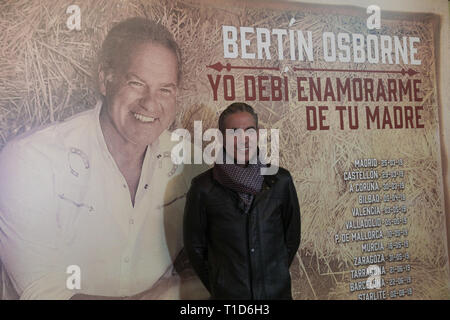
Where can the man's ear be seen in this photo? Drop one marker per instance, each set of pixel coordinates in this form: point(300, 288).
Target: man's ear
point(103, 78)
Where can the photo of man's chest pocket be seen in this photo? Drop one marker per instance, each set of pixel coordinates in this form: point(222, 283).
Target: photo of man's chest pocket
point(76, 203)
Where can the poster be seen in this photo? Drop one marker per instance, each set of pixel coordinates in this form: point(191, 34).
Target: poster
point(356, 107)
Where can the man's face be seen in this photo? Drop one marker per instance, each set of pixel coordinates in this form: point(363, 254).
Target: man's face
point(141, 94)
point(242, 123)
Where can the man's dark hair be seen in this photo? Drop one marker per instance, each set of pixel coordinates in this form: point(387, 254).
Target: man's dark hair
point(126, 35)
point(234, 108)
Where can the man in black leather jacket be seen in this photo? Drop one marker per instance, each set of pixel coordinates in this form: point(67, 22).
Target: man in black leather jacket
point(242, 229)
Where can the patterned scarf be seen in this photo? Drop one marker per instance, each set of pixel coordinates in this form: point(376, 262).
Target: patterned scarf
point(246, 181)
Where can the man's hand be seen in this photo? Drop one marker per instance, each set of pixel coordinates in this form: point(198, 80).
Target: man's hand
point(174, 286)
point(179, 282)
point(166, 288)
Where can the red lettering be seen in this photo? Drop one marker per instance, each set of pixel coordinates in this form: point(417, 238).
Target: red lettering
point(329, 90)
point(409, 117)
point(301, 89)
point(311, 115)
point(359, 90)
point(315, 89)
point(392, 89)
point(341, 116)
point(275, 86)
point(380, 90)
point(353, 123)
point(368, 89)
point(416, 90)
point(249, 82)
point(386, 118)
point(214, 85)
point(262, 88)
point(229, 95)
point(372, 117)
point(322, 118)
point(398, 117)
point(418, 117)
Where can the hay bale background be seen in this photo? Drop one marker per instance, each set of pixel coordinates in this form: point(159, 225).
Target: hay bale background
point(47, 73)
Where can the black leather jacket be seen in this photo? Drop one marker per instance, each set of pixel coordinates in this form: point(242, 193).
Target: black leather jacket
point(238, 255)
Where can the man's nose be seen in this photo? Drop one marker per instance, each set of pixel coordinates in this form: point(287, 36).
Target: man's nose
point(241, 137)
point(240, 133)
point(149, 101)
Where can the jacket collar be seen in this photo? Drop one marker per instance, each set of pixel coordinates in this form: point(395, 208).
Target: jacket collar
point(269, 181)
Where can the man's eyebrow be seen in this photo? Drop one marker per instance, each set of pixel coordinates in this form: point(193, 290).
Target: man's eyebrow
point(251, 127)
point(133, 75)
point(168, 84)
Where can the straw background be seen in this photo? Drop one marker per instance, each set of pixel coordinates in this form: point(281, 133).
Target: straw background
point(47, 73)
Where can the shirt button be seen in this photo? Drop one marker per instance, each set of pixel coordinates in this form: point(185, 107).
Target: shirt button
point(252, 249)
point(126, 260)
point(131, 221)
point(124, 185)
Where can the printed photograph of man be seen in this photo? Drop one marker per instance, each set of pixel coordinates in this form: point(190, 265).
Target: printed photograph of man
point(241, 228)
point(98, 193)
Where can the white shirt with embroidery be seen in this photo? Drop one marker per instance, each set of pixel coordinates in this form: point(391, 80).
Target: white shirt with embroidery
point(64, 202)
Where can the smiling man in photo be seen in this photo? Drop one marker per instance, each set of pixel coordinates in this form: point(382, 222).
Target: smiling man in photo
point(99, 191)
